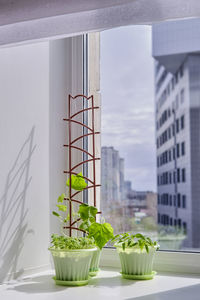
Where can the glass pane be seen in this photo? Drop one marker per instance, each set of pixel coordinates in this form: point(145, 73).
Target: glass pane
point(150, 86)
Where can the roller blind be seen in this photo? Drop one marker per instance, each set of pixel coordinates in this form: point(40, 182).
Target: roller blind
point(33, 20)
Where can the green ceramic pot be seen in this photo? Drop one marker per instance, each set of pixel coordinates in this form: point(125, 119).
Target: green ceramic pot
point(72, 266)
point(94, 266)
point(136, 262)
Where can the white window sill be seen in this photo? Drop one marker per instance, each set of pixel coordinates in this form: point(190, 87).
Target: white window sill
point(108, 285)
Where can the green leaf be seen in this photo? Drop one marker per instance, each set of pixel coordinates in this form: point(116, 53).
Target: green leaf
point(123, 246)
point(87, 212)
point(55, 214)
point(101, 233)
point(77, 182)
point(61, 207)
point(61, 198)
point(85, 225)
point(147, 248)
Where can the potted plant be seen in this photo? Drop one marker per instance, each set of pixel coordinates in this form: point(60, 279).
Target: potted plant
point(136, 253)
point(101, 233)
point(71, 255)
point(75, 257)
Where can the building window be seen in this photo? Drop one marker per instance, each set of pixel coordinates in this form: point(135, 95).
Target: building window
point(179, 222)
point(170, 177)
point(169, 132)
point(170, 200)
point(179, 200)
point(178, 175)
point(177, 150)
point(185, 227)
point(181, 71)
point(183, 175)
point(183, 201)
point(182, 122)
point(183, 148)
point(170, 155)
point(177, 125)
point(173, 129)
point(174, 153)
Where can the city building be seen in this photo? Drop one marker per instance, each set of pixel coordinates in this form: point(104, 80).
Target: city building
point(112, 177)
point(176, 49)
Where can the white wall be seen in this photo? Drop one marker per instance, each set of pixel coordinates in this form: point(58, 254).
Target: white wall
point(35, 81)
point(24, 158)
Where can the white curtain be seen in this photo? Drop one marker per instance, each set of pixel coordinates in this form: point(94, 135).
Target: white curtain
point(22, 20)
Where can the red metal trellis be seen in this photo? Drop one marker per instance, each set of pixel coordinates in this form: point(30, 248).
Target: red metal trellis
point(92, 156)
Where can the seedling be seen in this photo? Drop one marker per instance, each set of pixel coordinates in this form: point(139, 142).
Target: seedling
point(127, 240)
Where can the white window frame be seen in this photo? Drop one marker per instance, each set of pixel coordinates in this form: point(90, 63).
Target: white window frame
point(165, 261)
point(52, 27)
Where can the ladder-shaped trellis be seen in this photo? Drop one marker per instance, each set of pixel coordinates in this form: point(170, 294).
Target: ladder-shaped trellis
point(91, 156)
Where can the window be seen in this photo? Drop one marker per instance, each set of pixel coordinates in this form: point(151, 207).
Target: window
point(170, 157)
point(173, 129)
point(179, 200)
point(183, 175)
point(178, 175)
point(132, 126)
point(177, 151)
point(170, 200)
point(183, 148)
point(182, 122)
point(177, 125)
point(185, 227)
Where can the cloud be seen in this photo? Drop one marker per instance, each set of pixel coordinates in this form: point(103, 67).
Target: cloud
point(127, 87)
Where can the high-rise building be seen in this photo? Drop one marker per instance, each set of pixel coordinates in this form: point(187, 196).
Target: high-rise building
point(112, 176)
point(176, 49)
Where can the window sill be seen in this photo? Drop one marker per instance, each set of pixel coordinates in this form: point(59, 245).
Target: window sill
point(173, 262)
point(108, 285)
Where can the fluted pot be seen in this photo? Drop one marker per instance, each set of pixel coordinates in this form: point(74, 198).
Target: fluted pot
point(94, 266)
point(72, 266)
point(136, 262)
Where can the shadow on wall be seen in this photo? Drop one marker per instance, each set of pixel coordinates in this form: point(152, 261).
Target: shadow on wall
point(13, 211)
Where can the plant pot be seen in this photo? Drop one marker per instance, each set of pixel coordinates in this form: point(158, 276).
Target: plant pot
point(94, 266)
point(136, 264)
point(72, 266)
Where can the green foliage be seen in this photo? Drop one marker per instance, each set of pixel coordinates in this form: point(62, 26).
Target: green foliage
point(77, 182)
point(87, 214)
point(55, 214)
point(60, 242)
point(127, 240)
point(61, 198)
point(62, 207)
point(101, 233)
point(98, 233)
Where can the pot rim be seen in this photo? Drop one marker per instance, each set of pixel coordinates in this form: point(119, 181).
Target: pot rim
point(72, 250)
point(135, 249)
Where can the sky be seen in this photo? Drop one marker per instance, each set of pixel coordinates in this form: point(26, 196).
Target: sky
point(127, 90)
